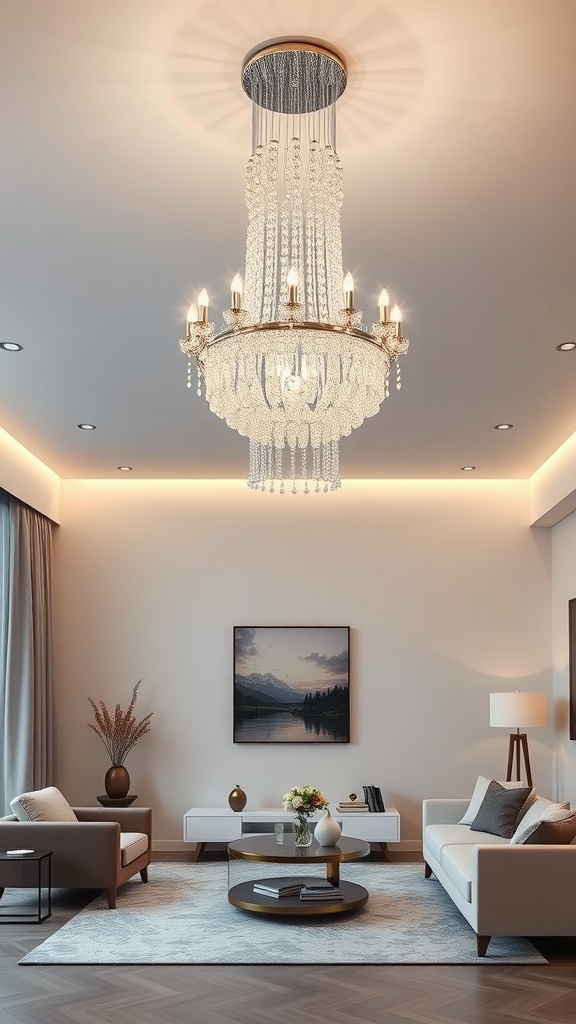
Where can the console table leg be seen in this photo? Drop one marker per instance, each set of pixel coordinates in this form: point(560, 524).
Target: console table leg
point(385, 853)
point(200, 847)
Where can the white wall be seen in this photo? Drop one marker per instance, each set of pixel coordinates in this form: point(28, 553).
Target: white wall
point(563, 589)
point(445, 586)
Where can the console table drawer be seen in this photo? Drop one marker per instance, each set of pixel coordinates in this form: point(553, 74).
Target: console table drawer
point(212, 829)
point(375, 828)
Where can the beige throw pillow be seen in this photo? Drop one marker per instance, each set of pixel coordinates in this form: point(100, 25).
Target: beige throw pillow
point(42, 805)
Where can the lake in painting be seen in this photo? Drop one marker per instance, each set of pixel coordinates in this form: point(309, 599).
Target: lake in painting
point(291, 684)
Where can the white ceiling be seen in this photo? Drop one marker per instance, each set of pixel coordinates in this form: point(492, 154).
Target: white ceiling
point(124, 136)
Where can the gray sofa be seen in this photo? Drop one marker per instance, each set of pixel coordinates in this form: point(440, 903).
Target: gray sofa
point(501, 889)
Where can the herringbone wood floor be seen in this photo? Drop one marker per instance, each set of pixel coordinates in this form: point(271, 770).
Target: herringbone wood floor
point(257, 995)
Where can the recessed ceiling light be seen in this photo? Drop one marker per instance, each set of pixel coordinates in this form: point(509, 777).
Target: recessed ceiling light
point(467, 469)
point(566, 346)
point(503, 426)
point(125, 469)
point(86, 426)
point(10, 346)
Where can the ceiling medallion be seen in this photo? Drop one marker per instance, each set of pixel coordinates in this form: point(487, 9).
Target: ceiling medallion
point(293, 369)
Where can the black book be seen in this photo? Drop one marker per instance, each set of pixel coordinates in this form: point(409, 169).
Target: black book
point(279, 885)
point(369, 797)
point(378, 799)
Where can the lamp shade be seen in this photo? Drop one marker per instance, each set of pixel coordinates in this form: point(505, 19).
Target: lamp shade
point(519, 710)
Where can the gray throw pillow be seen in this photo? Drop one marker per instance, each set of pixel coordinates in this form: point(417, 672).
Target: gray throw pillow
point(499, 810)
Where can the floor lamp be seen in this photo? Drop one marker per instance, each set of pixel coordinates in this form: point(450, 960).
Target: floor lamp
point(515, 711)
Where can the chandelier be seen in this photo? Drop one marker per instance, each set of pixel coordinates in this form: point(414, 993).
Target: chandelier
point(292, 368)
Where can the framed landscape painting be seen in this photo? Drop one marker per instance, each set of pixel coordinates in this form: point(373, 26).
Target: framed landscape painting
point(291, 684)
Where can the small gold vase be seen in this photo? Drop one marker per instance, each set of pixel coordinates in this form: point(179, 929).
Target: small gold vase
point(237, 799)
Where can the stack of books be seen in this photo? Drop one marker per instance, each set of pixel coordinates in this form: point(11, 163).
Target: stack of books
point(345, 806)
point(373, 798)
point(324, 891)
point(279, 887)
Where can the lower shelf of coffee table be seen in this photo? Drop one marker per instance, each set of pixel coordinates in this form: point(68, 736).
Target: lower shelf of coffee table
point(244, 897)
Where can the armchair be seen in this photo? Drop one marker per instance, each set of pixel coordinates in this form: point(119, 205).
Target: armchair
point(101, 849)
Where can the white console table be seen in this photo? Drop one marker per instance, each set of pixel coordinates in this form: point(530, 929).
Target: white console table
point(222, 825)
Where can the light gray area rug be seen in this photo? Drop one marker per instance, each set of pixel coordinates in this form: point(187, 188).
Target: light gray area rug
point(182, 916)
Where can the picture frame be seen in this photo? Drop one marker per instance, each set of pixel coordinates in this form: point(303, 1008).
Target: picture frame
point(572, 665)
point(291, 684)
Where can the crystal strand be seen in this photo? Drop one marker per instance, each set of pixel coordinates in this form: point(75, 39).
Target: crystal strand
point(296, 239)
point(189, 377)
point(334, 239)
point(320, 241)
point(269, 266)
point(284, 233)
point(311, 291)
point(316, 467)
point(255, 201)
point(304, 469)
point(398, 378)
point(199, 388)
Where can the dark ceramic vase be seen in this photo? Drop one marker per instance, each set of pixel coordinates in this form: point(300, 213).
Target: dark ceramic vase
point(237, 799)
point(117, 782)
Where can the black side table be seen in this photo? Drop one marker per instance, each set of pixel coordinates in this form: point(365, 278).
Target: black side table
point(26, 871)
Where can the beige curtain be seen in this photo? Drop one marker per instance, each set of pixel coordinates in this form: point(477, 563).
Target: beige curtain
point(25, 649)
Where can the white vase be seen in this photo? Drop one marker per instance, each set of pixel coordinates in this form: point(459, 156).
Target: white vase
point(327, 831)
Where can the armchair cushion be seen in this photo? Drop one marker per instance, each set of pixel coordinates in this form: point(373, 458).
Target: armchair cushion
point(42, 805)
point(132, 845)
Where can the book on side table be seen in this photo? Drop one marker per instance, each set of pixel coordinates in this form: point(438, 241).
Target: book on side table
point(285, 885)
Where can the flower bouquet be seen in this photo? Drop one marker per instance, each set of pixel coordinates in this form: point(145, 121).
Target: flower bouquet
point(303, 801)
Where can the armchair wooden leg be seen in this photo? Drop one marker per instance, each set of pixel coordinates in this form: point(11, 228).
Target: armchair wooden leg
point(482, 944)
point(427, 870)
point(111, 893)
point(144, 874)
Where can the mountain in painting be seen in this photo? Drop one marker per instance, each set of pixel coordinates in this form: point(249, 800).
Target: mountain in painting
point(267, 687)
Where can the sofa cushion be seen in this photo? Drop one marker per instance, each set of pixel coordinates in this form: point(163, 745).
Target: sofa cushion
point(457, 863)
point(132, 846)
point(438, 837)
point(500, 809)
point(42, 805)
point(555, 824)
point(479, 793)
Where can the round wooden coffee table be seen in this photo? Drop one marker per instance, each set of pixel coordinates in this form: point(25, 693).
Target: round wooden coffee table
point(264, 849)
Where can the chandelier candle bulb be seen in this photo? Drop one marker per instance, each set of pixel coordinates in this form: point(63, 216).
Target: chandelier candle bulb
point(348, 288)
point(292, 280)
point(396, 317)
point(203, 306)
point(191, 316)
point(383, 306)
point(236, 291)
